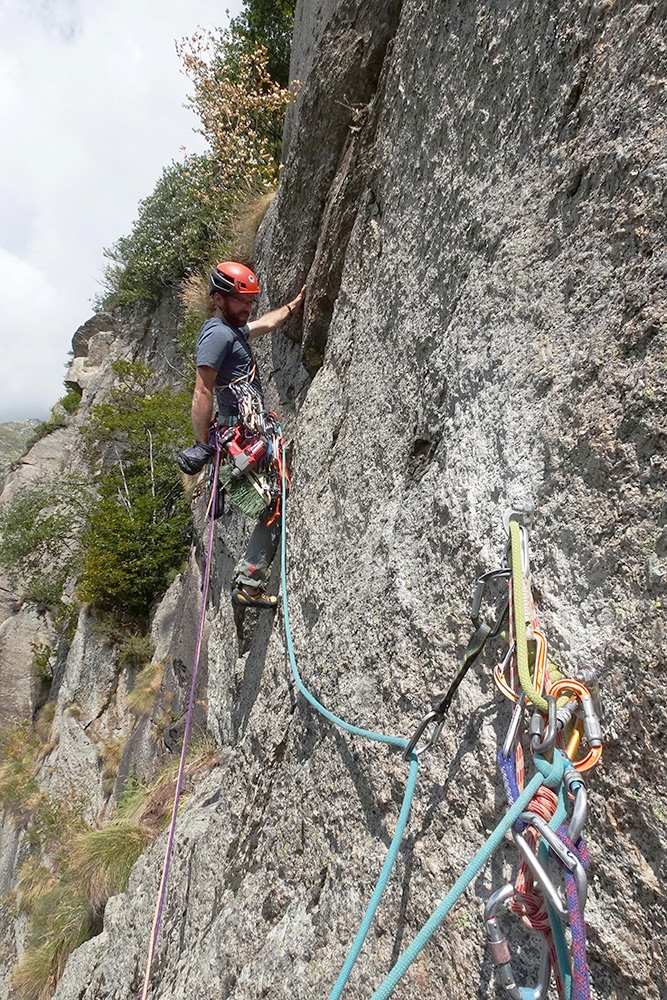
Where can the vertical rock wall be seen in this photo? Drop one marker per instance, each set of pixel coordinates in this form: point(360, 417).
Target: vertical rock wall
point(476, 196)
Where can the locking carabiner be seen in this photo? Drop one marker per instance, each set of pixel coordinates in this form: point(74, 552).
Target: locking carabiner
point(590, 726)
point(500, 953)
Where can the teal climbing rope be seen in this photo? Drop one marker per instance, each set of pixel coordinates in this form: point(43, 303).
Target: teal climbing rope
point(549, 774)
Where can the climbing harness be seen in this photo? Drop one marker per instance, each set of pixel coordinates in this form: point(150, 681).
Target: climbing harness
point(251, 469)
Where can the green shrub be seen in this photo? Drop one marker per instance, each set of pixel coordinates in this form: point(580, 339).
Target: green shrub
point(130, 550)
point(136, 650)
point(139, 526)
point(139, 425)
point(269, 23)
point(66, 405)
point(174, 231)
point(39, 529)
point(240, 79)
point(70, 402)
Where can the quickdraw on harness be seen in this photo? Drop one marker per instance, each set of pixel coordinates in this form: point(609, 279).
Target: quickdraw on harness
point(564, 716)
point(252, 468)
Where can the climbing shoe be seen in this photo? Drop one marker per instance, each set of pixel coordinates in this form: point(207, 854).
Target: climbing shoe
point(192, 460)
point(258, 600)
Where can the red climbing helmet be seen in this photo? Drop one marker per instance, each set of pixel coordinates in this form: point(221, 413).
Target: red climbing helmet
point(231, 278)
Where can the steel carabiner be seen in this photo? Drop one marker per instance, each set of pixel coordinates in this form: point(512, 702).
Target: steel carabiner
point(563, 853)
point(434, 718)
point(482, 581)
point(541, 741)
point(590, 724)
point(513, 729)
point(575, 785)
point(500, 953)
point(541, 876)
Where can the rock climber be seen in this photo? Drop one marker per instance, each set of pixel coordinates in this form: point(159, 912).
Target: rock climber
point(223, 355)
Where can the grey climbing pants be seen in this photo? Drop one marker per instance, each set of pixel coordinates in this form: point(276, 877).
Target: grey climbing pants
point(253, 569)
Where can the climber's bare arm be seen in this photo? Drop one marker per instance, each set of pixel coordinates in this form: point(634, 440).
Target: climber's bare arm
point(202, 402)
point(272, 320)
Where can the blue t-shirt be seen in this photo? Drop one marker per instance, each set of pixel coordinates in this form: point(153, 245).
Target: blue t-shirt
point(226, 348)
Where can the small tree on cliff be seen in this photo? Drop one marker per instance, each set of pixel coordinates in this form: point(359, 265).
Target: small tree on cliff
point(139, 526)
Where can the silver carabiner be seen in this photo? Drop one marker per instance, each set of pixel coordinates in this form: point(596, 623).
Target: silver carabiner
point(575, 784)
point(515, 722)
point(433, 718)
point(541, 876)
point(500, 952)
point(541, 742)
point(563, 853)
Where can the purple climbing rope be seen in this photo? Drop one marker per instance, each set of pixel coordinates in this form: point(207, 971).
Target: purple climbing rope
point(581, 987)
point(181, 770)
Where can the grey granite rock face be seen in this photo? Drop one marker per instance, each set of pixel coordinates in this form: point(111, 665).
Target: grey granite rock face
point(14, 435)
point(27, 628)
point(477, 196)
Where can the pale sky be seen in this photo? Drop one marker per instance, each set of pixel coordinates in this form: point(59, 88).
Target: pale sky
point(91, 109)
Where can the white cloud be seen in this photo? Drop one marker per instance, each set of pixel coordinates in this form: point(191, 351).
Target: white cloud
point(32, 358)
point(91, 100)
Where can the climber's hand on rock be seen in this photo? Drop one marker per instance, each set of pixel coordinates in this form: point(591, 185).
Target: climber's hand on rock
point(192, 460)
point(297, 303)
